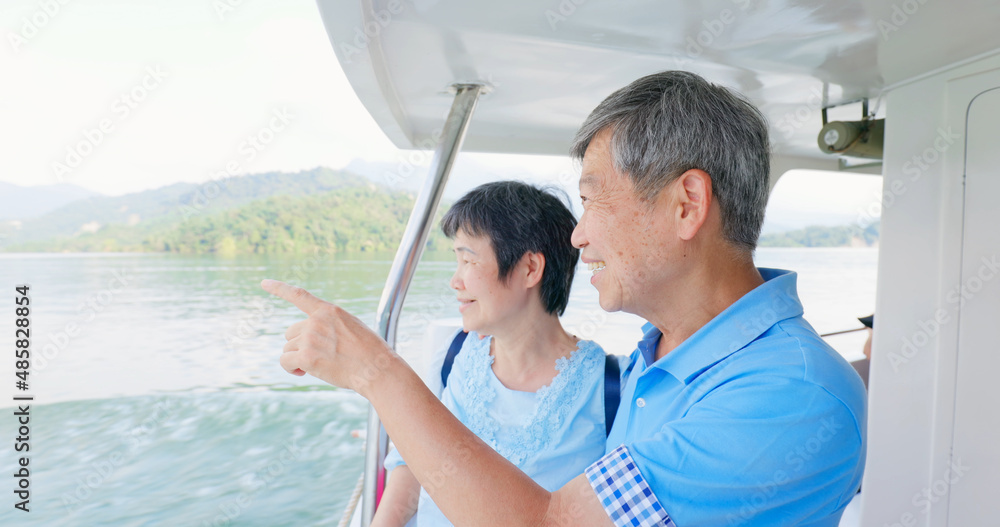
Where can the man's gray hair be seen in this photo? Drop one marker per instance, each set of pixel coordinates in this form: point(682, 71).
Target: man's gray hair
point(670, 122)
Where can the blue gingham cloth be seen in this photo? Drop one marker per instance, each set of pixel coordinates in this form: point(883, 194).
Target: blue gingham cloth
point(624, 494)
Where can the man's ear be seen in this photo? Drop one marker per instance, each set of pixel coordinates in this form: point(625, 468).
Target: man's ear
point(692, 199)
point(535, 267)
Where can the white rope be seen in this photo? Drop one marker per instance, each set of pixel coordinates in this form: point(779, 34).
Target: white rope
point(345, 520)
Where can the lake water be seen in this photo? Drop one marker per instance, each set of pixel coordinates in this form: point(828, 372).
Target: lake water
point(159, 399)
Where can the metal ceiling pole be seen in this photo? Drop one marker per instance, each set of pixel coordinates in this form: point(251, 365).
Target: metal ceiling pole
point(404, 265)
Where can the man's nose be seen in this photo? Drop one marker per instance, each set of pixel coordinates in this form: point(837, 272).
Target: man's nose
point(455, 282)
point(579, 238)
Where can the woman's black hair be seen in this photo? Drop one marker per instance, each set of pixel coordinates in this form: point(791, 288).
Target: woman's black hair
point(518, 218)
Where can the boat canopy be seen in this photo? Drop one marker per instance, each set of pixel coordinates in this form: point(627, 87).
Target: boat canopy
point(550, 62)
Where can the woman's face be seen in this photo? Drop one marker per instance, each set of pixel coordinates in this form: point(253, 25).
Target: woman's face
point(485, 303)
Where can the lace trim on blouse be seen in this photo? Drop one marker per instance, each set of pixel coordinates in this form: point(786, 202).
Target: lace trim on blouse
point(553, 402)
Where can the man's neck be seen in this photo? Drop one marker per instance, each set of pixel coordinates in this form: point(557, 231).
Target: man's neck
point(700, 297)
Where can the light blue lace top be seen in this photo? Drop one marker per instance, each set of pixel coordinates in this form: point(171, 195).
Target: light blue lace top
point(552, 435)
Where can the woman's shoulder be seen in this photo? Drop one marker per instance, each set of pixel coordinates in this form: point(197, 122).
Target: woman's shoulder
point(590, 354)
point(584, 365)
point(475, 345)
point(474, 357)
point(590, 346)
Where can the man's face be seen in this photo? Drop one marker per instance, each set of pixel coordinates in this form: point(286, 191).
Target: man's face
point(623, 239)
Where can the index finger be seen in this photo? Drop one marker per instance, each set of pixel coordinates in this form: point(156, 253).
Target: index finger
point(299, 297)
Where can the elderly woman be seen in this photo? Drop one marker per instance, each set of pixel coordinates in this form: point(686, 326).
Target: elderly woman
point(523, 384)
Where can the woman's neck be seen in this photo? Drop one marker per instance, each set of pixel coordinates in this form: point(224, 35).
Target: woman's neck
point(524, 355)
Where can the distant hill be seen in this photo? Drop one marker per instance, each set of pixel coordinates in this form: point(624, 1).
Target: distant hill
point(817, 236)
point(351, 219)
point(22, 203)
point(404, 175)
point(308, 212)
point(169, 205)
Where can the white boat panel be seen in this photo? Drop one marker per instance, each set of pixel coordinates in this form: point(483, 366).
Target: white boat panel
point(974, 474)
point(916, 346)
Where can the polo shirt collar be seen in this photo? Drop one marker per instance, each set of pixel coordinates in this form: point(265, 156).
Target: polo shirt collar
point(740, 324)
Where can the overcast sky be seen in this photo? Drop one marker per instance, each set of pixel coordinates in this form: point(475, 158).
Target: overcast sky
point(207, 79)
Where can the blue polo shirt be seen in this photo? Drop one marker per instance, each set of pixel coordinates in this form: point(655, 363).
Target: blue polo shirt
point(753, 420)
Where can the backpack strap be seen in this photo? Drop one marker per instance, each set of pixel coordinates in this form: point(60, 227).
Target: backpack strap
point(612, 391)
point(449, 358)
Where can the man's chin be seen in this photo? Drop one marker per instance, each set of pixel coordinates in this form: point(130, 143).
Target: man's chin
point(610, 305)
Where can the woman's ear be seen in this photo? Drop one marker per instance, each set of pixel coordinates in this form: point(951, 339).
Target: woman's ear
point(535, 267)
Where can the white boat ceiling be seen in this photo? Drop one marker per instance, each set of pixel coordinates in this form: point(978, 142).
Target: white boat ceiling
point(550, 62)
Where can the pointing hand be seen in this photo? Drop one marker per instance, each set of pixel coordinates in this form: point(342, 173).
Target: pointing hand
point(331, 344)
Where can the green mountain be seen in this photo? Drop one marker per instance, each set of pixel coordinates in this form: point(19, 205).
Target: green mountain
point(817, 236)
point(171, 204)
point(313, 211)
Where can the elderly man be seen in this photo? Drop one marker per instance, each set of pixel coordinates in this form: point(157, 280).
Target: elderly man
point(733, 410)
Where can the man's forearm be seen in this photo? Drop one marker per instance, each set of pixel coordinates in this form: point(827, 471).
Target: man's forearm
point(468, 480)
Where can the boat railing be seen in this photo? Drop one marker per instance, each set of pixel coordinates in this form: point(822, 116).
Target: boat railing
point(401, 274)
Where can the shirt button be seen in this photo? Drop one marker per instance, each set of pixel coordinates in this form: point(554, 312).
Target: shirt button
point(640, 402)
